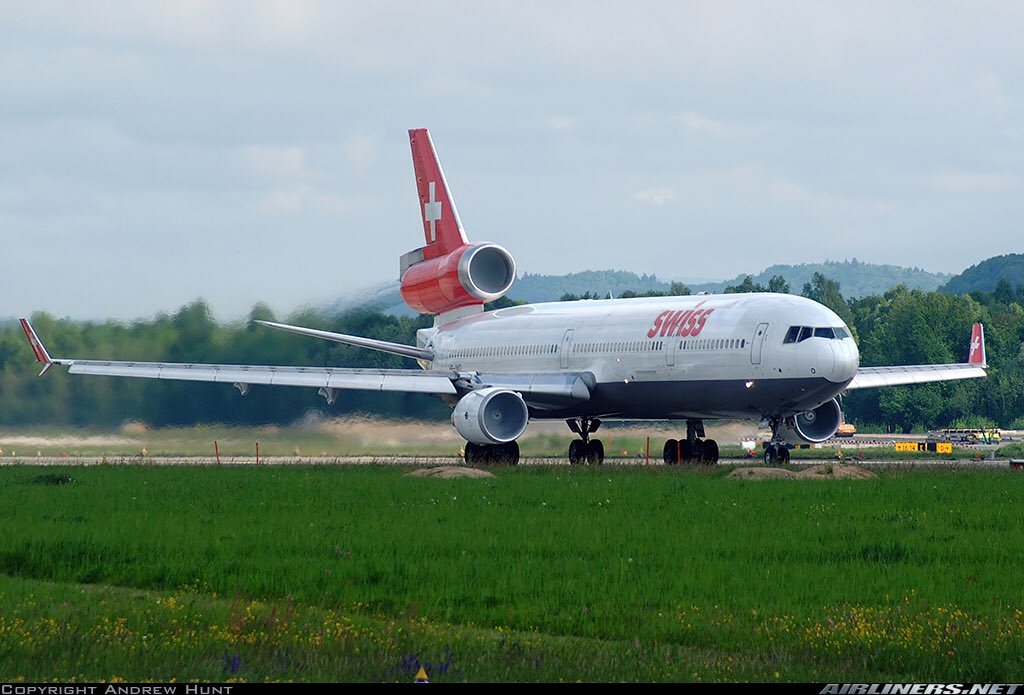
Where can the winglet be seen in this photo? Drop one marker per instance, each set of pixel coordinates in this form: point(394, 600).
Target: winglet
point(977, 354)
point(442, 227)
point(37, 346)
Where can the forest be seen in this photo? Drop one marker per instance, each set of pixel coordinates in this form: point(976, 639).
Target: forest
point(901, 326)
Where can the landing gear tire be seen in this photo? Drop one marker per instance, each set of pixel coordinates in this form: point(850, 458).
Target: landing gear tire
point(671, 453)
point(595, 452)
point(474, 454)
point(506, 454)
point(775, 454)
point(685, 451)
point(577, 451)
point(498, 454)
point(710, 456)
point(698, 451)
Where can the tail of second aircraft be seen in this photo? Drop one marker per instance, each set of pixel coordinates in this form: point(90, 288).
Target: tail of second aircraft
point(448, 273)
point(977, 353)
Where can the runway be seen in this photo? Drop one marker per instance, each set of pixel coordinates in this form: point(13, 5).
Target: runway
point(427, 461)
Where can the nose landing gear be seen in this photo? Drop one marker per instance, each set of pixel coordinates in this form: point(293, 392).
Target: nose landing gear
point(776, 451)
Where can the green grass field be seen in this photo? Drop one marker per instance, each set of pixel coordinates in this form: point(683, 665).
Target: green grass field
point(336, 573)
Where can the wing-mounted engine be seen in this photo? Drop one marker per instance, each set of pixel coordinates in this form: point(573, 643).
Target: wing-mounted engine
point(491, 416)
point(814, 426)
point(471, 274)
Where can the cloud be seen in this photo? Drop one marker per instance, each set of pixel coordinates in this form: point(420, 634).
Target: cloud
point(707, 126)
point(276, 162)
point(560, 122)
point(361, 152)
point(304, 198)
point(958, 181)
point(655, 196)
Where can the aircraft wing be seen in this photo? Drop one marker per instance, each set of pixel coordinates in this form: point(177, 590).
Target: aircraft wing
point(871, 377)
point(975, 367)
point(322, 377)
point(243, 376)
point(542, 391)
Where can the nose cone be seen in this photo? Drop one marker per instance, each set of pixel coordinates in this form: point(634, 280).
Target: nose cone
point(846, 358)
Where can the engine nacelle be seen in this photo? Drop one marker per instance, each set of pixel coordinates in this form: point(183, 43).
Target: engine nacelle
point(814, 426)
point(471, 274)
point(491, 416)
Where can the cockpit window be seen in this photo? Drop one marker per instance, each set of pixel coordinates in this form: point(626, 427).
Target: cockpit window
point(798, 334)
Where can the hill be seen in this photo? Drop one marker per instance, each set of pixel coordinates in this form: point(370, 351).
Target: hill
point(549, 288)
point(856, 279)
point(986, 275)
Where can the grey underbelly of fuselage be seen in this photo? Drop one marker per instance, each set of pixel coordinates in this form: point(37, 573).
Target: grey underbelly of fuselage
point(731, 398)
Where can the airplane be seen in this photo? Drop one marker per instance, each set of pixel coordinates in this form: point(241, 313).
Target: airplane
point(777, 358)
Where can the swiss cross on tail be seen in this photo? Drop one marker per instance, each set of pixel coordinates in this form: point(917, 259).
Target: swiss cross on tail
point(977, 354)
point(432, 214)
point(442, 227)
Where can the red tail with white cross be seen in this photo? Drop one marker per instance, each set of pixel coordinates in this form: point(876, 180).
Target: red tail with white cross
point(442, 227)
point(449, 276)
point(977, 354)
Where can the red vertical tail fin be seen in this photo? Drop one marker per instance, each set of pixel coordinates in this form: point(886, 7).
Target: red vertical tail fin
point(977, 354)
point(442, 227)
point(449, 276)
point(37, 346)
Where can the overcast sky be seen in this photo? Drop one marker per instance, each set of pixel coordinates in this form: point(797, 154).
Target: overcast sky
point(152, 153)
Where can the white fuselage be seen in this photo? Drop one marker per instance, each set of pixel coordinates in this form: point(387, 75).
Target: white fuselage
point(663, 357)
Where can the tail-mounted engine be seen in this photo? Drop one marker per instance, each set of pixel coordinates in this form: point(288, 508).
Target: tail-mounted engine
point(491, 416)
point(471, 274)
point(814, 426)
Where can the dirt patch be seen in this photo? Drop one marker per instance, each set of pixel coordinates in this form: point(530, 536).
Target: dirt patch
point(828, 471)
point(447, 472)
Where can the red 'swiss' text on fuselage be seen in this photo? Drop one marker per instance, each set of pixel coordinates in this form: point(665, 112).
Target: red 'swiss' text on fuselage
point(687, 323)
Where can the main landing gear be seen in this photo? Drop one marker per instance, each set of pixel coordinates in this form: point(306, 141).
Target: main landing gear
point(775, 452)
point(693, 449)
point(492, 455)
point(585, 449)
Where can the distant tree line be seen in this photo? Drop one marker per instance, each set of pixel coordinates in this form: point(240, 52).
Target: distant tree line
point(900, 326)
point(676, 289)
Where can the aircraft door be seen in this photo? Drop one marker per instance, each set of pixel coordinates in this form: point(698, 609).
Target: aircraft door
point(757, 343)
point(567, 347)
